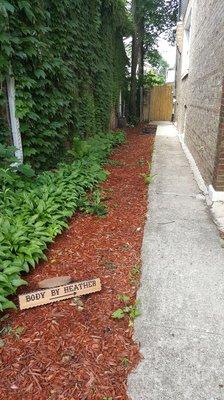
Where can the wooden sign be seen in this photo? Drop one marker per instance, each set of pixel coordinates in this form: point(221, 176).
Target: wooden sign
point(46, 296)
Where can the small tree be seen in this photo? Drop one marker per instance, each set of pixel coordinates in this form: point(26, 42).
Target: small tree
point(153, 79)
point(150, 19)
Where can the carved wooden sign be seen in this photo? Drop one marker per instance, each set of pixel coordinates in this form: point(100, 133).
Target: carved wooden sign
point(45, 296)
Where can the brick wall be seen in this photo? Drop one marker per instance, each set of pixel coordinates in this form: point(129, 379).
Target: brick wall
point(218, 176)
point(199, 94)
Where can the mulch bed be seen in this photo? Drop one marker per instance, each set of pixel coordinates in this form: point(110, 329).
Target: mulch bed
point(76, 351)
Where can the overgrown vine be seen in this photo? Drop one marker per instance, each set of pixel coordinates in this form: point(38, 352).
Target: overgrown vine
point(69, 61)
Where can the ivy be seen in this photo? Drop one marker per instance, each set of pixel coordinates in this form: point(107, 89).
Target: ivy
point(69, 63)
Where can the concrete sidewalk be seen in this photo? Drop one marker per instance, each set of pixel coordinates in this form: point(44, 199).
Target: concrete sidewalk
point(181, 329)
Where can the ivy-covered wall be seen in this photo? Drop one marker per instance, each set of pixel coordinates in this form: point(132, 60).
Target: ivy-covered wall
point(69, 63)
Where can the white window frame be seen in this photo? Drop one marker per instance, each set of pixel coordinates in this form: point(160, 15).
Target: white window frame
point(186, 48)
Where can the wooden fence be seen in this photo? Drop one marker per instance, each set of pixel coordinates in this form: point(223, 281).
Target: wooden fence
point(158, 103)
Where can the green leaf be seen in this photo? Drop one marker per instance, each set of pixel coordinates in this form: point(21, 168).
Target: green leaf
point(4, 279)
point(11, 270)
point(24, 5)
point(8, 6)
point(7, 304)
point(40, 73)
point(118, 314)
point(26, 170)
point(18, 282)
point(124, 298)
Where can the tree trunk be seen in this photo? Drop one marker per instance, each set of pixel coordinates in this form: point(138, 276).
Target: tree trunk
point(141, 66)
point(134, 64)
point(137, 60)
point(133, 95)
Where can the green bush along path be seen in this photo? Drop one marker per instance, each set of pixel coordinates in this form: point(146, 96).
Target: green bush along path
point(33, 210)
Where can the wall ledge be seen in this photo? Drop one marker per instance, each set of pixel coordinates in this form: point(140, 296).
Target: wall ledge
point(214, 199)
point(197, 174)
point(215, 195)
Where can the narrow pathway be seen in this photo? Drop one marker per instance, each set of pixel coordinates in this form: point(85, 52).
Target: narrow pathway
point(181, 330)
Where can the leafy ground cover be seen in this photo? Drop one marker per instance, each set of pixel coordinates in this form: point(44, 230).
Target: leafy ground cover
point(34, 210)
point(83, 349)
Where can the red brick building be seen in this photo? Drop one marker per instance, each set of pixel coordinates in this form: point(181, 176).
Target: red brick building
point(200, 88)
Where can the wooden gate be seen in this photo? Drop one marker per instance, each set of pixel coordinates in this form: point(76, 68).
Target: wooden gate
point(161, 103)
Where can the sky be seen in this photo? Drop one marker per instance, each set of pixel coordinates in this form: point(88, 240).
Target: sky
point(167, 51)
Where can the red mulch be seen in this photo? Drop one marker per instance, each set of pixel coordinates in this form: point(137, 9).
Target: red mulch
point(70, 353)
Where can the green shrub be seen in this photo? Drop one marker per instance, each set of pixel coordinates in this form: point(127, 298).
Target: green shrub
point(34, 211)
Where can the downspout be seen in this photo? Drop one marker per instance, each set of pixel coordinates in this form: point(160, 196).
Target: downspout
point(14, 121)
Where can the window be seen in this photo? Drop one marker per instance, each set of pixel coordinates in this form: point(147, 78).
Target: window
point(186, 48)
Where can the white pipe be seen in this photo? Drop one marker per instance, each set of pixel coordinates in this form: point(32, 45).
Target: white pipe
point(17, 140)
point(120, 104)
